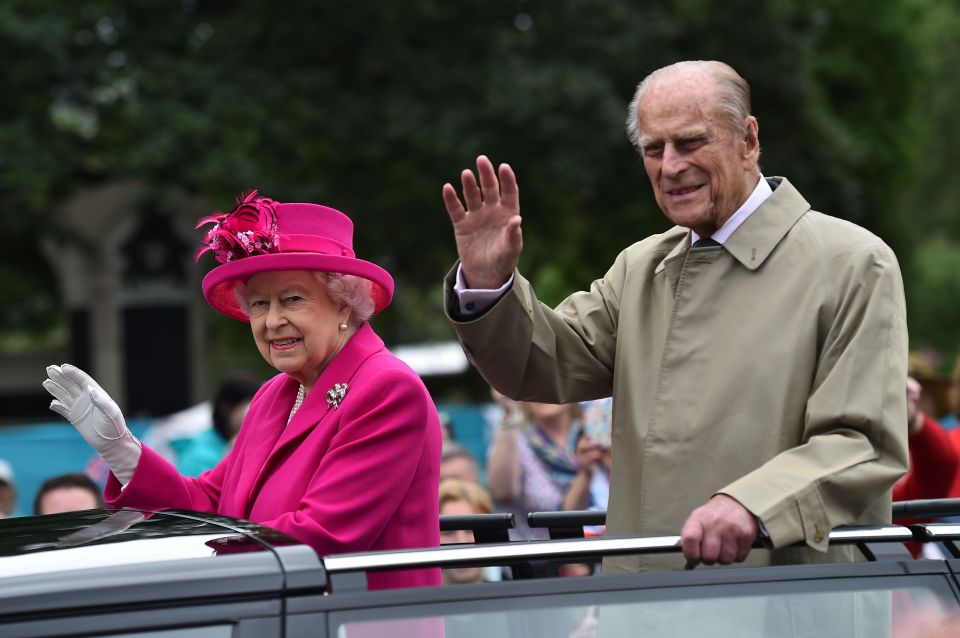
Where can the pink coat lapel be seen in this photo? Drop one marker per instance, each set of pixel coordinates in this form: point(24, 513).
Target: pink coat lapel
point(278, 435)
point(261, 430)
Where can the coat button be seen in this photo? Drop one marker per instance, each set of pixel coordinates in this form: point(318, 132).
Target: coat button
point(818, 536)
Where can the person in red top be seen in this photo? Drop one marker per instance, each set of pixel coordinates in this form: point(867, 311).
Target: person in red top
point(934, 458)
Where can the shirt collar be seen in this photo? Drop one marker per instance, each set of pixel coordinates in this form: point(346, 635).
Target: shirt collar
point(759, 234)
point(760, 193)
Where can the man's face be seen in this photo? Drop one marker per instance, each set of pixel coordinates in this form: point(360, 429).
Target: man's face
point(67, 499)
point(701, 170)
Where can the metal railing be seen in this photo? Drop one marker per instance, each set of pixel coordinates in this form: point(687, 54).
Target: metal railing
point(567, 544)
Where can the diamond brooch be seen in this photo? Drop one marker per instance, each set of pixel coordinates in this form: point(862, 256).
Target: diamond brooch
point(335, 395)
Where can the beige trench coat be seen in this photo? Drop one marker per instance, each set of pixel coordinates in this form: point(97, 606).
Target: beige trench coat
point(772, 369)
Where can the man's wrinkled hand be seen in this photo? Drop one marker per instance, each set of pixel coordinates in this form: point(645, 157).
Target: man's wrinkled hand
point(487, 228)
point(721, 531)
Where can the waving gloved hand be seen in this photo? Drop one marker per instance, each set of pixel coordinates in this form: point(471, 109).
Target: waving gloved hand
point(97, 418)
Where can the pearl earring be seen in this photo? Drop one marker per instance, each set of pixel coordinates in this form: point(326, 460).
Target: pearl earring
point(343, 326)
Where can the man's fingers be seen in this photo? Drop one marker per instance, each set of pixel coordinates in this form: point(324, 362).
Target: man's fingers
point(509, 191)
point(489, 185)
point(690, 537)
point(453, 204)
point(471, 192)
point(710, 548)
point(729, 550)
point(743, 550)
point(514, 235)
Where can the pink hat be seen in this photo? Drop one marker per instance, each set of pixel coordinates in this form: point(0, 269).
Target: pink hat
point(261, 235)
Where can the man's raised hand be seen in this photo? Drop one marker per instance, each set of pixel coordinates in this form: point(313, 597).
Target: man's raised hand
point(487, 230)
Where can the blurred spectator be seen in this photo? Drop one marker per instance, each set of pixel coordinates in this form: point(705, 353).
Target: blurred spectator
point(67, 493)
point(531, 464)
point(460, 498)
point(445, 433)
point(8, 490)
point(935, 396)
point(590, 488)
point(456, 462)
point(204, 450)
point(950, 420)
point(933, 458)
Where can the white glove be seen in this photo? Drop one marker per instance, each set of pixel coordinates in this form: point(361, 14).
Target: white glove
point(97, 418)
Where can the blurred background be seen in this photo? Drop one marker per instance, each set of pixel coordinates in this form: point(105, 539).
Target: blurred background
point(122, 123)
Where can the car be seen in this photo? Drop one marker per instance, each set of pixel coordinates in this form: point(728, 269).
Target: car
point(153, 574)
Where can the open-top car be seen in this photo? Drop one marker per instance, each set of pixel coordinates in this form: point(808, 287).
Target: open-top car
point(177, 573)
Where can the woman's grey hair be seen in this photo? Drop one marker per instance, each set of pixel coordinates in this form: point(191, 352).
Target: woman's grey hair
point(343, 290)
point(733, 94)
point(349, 290)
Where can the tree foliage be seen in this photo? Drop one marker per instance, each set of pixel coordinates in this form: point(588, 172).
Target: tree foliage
point(371, 107)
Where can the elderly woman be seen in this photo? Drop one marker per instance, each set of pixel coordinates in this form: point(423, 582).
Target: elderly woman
point(341, 450)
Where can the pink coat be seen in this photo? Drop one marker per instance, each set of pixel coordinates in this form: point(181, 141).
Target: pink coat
point(361, 477)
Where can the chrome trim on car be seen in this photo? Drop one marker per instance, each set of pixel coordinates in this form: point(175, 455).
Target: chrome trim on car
point(573, 549)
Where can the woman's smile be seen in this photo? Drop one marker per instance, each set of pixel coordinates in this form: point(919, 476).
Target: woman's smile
point(295, 323)
point(284, 344)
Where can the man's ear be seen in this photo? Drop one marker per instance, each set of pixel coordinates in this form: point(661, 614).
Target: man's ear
point(751, 138)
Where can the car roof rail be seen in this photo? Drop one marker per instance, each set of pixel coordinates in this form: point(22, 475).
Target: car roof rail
point(570, 524)
point(486, 528)
point(926, 508)
point(342, 569)
point(947, 534)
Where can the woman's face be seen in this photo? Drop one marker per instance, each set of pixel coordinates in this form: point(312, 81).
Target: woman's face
point(459, 574)
point(294, 322)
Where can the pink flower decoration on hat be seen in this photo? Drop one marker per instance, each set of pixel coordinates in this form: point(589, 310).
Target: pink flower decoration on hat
point(249, 229)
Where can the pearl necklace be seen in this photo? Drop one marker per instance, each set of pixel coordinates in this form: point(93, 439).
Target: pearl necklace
point(301, 393)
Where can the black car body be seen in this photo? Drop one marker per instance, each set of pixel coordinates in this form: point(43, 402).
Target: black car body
point(176, 573)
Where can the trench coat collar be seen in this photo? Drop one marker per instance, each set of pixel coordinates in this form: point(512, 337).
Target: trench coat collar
point(760, 233)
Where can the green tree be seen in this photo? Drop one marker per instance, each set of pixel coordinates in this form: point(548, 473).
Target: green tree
point(372, 107)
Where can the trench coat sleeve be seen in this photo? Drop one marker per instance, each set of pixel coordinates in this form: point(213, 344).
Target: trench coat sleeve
point(530, 352)
point(156, 484)
point(368, 469)
point(854, 441)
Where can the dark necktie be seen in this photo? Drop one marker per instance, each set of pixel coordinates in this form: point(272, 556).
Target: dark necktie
point(705, 242)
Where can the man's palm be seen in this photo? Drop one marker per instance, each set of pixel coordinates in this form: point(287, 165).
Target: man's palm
point(487, 229)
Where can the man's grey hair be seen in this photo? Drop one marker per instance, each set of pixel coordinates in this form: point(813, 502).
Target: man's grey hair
point(343, 290)
point(732, 98)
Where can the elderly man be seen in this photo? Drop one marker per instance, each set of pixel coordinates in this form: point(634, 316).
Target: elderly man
point(67, 493)
point(756, 351)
